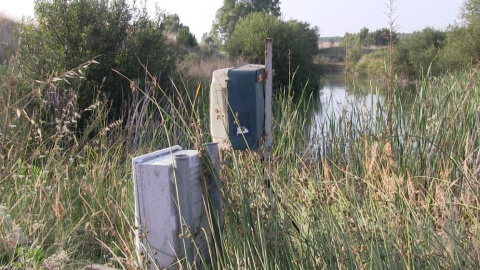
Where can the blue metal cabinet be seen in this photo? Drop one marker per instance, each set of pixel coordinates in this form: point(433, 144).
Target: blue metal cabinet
point(246, 105)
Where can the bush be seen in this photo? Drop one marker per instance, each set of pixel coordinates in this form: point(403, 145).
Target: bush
point(462, 47)
point(373, 64)
point(186, 38)
point(419, 51)
point(116, 35)
point(295, 45)
point(463, 41)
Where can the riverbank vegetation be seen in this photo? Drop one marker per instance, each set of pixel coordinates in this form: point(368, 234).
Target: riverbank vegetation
point(75, 110)
point(433, 50)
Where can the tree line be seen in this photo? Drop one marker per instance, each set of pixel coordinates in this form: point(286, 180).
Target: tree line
point(241, 27)
point(127, 43)
point(429, 50)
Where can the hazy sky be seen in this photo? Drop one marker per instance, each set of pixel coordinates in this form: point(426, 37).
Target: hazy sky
point(333, 17)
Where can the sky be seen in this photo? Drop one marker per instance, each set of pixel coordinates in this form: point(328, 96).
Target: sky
point(333, 17)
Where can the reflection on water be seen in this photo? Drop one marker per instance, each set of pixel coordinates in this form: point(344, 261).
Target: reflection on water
point(337, 100)
point(360, 106)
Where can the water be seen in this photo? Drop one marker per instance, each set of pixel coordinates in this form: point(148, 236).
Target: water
point(359, 106)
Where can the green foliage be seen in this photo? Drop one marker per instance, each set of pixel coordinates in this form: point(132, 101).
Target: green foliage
point(208, 44)
point(207, 39)
point(363, 36)
point(429, 50)
point(439, 51)
point(146, 44)
point(461, 48)
point(379, 37)
point(463, 41)
point(357, 51)
point(353, 51)
point(232, 11)
point(373, 64)
point(250, 44)
point(116, 35)
point(363, 199)
point(470, 11)
point(357, 199)
point(186, 38)
point(29, 258)
point(295, 45)
point(416, 53)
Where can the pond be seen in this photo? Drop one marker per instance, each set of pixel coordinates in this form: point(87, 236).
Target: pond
point(359, 104)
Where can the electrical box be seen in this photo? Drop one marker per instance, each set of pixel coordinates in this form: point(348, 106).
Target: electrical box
point(169, 198)
point(237, 106)
point(218, 108)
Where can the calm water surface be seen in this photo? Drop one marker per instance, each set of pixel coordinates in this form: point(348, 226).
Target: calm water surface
point(360, 104)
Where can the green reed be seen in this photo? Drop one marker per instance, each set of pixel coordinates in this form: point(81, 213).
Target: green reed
point(364, 198)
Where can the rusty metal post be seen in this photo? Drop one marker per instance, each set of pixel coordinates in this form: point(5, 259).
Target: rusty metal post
point(268, 99)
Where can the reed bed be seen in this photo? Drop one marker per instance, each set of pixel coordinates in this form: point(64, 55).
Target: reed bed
point(364, 198)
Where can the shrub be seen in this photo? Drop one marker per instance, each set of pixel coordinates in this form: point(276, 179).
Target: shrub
point(463, 41)
point(294, 44)
point(373, 64)
point(116, 35)
point(419, 51)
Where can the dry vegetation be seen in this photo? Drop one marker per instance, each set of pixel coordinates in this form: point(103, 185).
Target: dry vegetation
point(348, 197)
point(200, 66)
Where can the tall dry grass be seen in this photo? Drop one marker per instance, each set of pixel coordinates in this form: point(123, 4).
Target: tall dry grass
point(199, 66)
point(364, 198)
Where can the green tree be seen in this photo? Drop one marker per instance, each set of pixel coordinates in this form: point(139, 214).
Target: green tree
point(380, 37)
point(461, 48)
point(417, 52)
point(463, 41)
point(470, 11)
point(186, 38)
point(295, 45)
point(232, 11)
point(363, 36)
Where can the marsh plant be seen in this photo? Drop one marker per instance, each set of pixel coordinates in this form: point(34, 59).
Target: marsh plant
point(366, 198)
